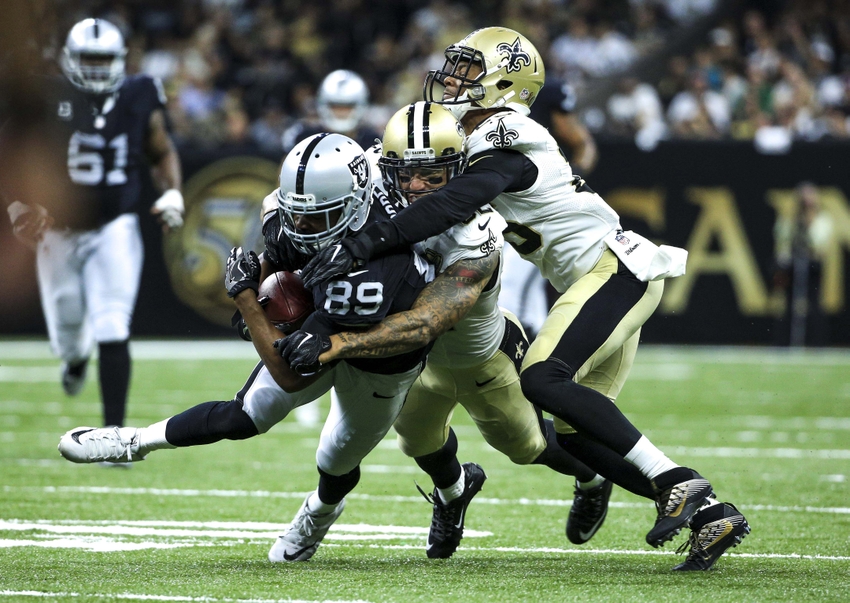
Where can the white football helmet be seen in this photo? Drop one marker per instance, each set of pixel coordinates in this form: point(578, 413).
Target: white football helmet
point(422, 138)
point(324, 179)
point(512, 73)
point(342, 100)
point(93, 57)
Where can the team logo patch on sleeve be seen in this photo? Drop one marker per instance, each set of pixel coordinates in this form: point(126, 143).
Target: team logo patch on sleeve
point(502, 137)
point(515, 54)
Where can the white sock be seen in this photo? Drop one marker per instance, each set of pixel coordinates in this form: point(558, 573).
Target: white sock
point(455, 490)
point(596, 481)
point(315, 505)
point(152, 437)
point(649, 459)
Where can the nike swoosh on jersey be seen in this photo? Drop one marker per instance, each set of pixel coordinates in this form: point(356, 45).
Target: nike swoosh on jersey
point(483, 226)
point(358, 273)
point(483, 383)
point(476, 160)
point(294, 556)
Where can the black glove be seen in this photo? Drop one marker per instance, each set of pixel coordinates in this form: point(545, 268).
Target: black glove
point(302, 350)
point(241, 326)
point(242, 272)
point(328, 263)
point(279, 249)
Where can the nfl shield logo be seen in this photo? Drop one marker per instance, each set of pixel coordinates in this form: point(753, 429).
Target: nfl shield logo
point(65, 110)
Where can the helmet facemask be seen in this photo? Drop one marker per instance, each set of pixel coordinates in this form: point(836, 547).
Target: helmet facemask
point(460, 60)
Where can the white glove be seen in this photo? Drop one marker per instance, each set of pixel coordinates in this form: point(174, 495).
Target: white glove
point(169, 208)
point(29, 222)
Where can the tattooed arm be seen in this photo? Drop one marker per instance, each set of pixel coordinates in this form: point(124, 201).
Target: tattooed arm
point(441, 305)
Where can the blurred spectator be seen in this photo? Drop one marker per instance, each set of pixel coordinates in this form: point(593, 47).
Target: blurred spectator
point(801, 239)
point(635, 111)
point(267, 130)
point(698, 112)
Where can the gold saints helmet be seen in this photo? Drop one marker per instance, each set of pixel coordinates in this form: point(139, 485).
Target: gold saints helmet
point(511, 75)
point(422, 140)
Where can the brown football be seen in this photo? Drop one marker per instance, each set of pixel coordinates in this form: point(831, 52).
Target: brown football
point(285, 300)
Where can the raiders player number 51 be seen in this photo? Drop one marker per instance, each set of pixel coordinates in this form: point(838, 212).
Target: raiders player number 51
point(89, 247)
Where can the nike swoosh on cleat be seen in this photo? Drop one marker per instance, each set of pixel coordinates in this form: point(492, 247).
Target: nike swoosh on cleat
point(76, 435)
point(483, 383)
point(294, 556)
point(483, 226)
point(460, 521)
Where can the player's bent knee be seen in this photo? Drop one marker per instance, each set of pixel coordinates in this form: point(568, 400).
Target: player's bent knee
point(543, 383)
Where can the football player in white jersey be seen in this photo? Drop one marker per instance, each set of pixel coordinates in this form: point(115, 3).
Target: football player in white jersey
point(476, 362)
point(610, 281)
point(89, 251)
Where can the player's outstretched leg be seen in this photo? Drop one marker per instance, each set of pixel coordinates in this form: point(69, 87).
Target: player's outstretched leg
point(305, 533)
point(590, 507)
point(449, 516)
point(714, 529)
point(93, 445)
point(680, 492)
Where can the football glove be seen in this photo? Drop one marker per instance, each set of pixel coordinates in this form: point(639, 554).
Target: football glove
point(242, 272)
point(28, 222)
point(279, 249)
point(302, 350)
point(169, 208)
point(328, 263)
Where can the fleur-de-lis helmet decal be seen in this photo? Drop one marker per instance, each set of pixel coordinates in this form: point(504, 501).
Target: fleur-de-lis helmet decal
point(491, 68)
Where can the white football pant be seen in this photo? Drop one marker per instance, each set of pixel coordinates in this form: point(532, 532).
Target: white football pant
point(88, 282)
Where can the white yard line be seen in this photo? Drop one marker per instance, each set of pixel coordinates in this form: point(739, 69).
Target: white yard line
point(100, 490)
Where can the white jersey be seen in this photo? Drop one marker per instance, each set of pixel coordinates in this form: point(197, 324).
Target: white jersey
point(477, 336)
point(551, 224)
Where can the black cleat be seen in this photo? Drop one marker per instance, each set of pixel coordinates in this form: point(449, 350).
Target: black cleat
point(680, 493)
point(448, 518)
point(588, 512)
point(714, 530)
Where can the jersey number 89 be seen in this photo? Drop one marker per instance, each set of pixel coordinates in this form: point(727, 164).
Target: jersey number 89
point(367, 298)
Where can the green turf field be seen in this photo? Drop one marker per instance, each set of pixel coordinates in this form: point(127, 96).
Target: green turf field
point(770, 429)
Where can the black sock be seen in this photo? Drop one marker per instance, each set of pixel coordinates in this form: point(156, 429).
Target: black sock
point(333, 488)
point(210, 422)
point(607, 463)
point(114, 373)
point(549, 386)
point(558, 459)
point(442, 466)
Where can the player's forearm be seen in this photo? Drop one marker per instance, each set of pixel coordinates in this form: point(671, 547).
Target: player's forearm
point(263, 336)
point(166, 173)
point(440, 306)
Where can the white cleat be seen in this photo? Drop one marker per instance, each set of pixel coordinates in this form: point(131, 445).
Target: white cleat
point(95, 445)
point(304, 535)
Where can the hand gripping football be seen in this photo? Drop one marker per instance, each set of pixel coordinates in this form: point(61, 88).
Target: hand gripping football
point(286, 302)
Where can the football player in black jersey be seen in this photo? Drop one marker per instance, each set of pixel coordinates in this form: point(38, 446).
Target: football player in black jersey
point(610, 281)
point(325, 194)
point(89, 251)
point(341, 103)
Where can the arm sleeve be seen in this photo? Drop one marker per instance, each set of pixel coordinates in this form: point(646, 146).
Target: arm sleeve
point(489, 174)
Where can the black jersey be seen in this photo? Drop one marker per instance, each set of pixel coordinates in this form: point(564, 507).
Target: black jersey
point(106, 136)
point(555, 96)
point(385, 285)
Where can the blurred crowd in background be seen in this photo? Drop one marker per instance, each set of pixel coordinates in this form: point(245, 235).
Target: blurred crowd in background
point(239, 72)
